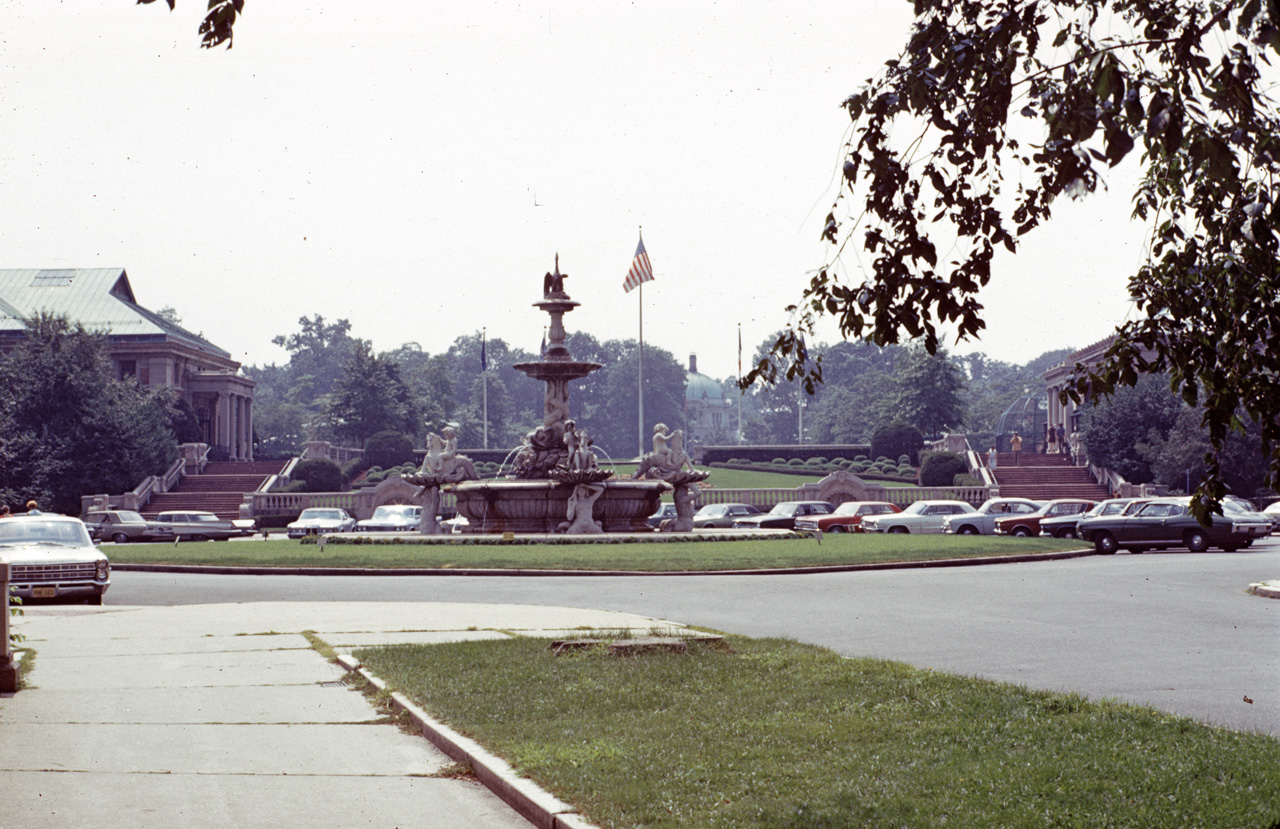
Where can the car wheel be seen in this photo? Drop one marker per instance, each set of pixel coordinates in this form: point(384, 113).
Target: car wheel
point(1137, 551)
point(119, 538)
point(968, 529)
point(838, 528)
point(1229, 548)
point(1067, 534)
point(1197, 541)
point(1105, 544)
point(199, 538)
point(897, 529)
point(1021, 532)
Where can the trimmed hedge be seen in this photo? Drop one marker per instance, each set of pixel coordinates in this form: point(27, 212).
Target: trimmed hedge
point(941, 469)
point(318, 475)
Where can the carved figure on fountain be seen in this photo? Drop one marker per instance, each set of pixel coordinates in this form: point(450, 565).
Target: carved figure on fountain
point(443, 460)
point(668, 457)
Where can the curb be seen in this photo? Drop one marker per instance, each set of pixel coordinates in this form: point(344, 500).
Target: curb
point(536, 805)
point(1266, 589)
point(227, 570)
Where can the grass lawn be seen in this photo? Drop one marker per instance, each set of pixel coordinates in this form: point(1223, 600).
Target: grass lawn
point(772, 733)
point(836, 549)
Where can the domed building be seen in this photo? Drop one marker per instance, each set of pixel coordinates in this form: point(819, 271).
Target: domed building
point(707, 412)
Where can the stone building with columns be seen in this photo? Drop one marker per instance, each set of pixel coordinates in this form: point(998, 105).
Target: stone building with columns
point(141, 344)
point(1067, 415)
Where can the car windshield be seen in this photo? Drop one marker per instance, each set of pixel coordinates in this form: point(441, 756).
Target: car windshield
point(848, 508)
point(330, 514)
point(712, 510)
point(35, 531)
point(916, 508)
point(127, 517)
point(785, 508)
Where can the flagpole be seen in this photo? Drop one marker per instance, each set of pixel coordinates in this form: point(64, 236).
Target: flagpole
point(640, 376)
point(484, 378)
point(741, 392)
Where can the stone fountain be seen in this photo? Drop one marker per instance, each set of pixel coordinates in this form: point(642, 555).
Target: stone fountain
point(556, 485)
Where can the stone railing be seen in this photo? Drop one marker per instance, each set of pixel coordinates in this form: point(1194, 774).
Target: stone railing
point(139, 496)
point(359, 504)
point(323, 449)
point(764, 499)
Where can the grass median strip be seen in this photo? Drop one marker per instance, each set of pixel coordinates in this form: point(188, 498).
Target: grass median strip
point(772, 733)
point(840, 549)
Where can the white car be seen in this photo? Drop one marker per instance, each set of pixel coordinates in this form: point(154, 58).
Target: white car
point(1273, 512)
point(984, 523)
point(392, 518)
point(920, 517)
point(51, 557)
point(316, 520)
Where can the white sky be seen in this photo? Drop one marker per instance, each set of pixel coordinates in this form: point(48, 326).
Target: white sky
point(414, 167)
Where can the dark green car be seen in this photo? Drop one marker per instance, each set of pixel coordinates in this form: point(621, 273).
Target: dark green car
point(1162, 523)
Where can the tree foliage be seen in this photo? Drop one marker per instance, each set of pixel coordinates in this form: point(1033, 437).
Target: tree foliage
point(994, 110)
point(68, 428)
point(219, 23)
point(372, 397)
point(1114, 429)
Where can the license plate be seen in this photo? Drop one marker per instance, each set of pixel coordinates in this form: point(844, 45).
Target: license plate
point(44, 592)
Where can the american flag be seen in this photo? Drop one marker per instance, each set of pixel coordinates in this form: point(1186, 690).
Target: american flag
point(641, 271)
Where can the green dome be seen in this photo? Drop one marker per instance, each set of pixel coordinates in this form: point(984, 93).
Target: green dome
point(701, 387)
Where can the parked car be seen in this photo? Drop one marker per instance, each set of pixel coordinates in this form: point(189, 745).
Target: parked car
point(847, 518)
point(53, 557)
point(392, 518)
point(315, 520)
point(1029, 524)
point(783, 515)
point(121, 525)
point(666, 511)
point(196, 525)
point(984, 523)
point(1161, 523)
point(920, 517)
point(1067, 526)
point(721, 515)
point(1272, 511)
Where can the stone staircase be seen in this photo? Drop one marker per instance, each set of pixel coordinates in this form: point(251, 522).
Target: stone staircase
point(1046, 477)
point(219, 489)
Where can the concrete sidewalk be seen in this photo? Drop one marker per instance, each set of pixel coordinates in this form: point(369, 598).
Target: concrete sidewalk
point(216, 715)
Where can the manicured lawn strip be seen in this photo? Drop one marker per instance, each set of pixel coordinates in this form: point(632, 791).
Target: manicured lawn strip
point(772, 733)
point(645, 557)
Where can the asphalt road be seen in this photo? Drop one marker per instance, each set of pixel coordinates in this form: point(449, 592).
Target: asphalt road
point(1174, 630)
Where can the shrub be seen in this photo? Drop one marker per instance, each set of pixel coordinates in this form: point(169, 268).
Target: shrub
point(898, 438)
point(795, 462)
point(941, 469)
point(318, 475)
point(816, 462)
point(388, 449)
point(375, 477)
point(779, 461)
point(904, 460)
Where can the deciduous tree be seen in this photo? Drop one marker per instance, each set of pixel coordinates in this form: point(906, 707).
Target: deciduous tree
point(998, 108)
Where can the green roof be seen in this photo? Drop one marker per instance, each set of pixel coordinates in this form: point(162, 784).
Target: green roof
point(100, 299)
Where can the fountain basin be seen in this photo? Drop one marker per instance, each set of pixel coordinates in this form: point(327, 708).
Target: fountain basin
point(542, 506)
